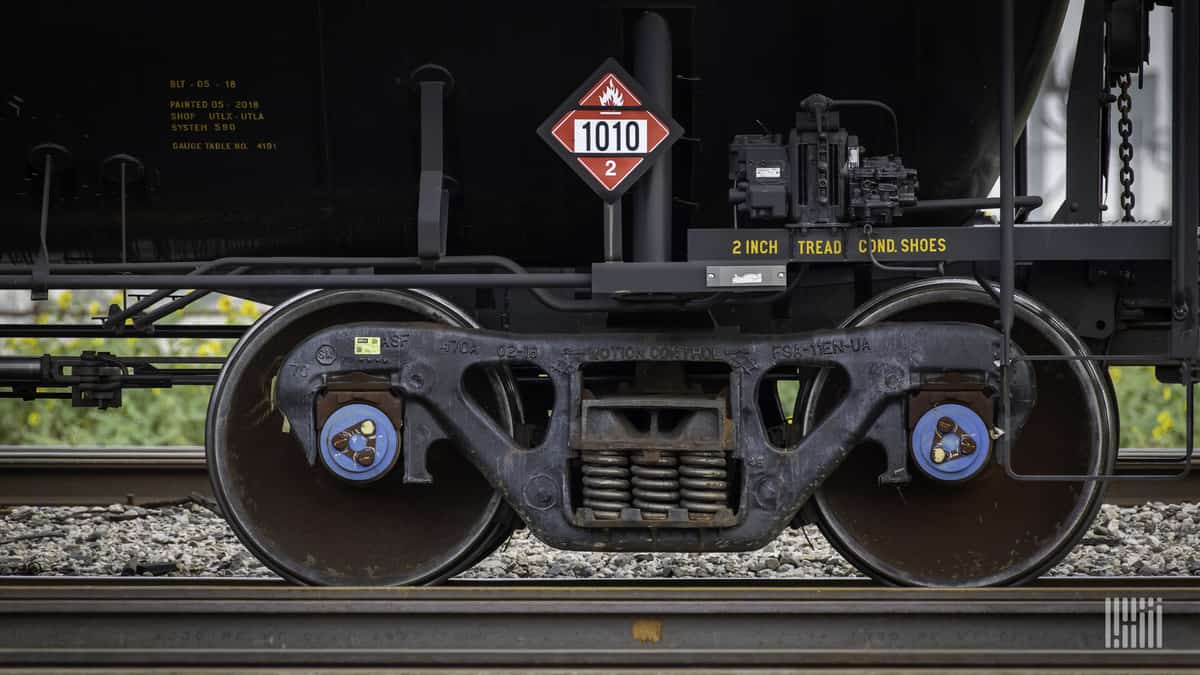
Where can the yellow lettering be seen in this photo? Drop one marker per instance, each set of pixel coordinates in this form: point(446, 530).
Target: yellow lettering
point(906, 245)
point(819, 246)
point(754, 247)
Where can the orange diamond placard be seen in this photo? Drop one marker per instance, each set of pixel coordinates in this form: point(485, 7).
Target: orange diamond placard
point(608, 132)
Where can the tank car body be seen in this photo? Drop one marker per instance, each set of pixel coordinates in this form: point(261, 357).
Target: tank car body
point(268, 132)
point(494, 347)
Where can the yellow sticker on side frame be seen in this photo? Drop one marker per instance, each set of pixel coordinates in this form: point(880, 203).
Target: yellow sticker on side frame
point(368, 346)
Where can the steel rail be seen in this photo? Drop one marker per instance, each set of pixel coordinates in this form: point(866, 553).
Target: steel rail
point(88, 476)
point(1119, 583)
point(130, 625)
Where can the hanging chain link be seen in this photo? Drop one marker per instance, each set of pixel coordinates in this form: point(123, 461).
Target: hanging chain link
point(1125, 151)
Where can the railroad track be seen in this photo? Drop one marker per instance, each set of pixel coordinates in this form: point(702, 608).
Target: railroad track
point(85, 476)
point(660, 625)
point(149, 474)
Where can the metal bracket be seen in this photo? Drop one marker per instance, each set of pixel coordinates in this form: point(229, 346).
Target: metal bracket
point(1085, 108)
point(434, 84)
point(890, 431)
point(45, 155)
point(421, 429)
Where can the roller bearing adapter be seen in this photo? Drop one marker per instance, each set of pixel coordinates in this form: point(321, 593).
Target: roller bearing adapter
point(359, 443)
point(950, 442)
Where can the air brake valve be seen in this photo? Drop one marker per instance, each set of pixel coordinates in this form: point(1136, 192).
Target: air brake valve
point(820, 176)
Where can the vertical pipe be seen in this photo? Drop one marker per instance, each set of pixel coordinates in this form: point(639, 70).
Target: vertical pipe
point(652, 195)
point(1007, 180)
point(47, 169)
point(613, 244)
point(40, 279)
point(124, 247)
point(1185, 180)
point(1007, 175)
point(1022, 170)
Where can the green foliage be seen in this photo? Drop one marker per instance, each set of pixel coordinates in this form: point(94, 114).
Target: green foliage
point(1153, 415)
point(173, 416)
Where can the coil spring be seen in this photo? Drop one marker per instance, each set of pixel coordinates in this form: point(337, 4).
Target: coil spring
point(655, 483)
point(704, 481)
point(606, 483)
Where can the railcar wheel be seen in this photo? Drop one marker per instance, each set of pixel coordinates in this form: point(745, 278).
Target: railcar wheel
point(311, 526)
point(988, 529)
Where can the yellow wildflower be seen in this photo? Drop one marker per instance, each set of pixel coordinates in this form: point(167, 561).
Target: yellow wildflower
point(64, 300)
point(209, 348)
point(1166, 393)
point(249, 309)
point(224, 305)
point(1164, 426)
point(93, 308)
point(33, 419)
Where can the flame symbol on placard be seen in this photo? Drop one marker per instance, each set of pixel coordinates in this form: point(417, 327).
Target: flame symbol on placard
point(611, 96)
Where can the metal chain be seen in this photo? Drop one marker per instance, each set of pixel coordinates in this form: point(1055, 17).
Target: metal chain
point(1125, 150)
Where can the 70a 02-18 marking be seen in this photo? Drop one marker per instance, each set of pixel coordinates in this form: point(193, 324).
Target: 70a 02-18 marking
point(458, 346)
point(517, 351)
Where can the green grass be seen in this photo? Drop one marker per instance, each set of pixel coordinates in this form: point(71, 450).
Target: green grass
point(171, 416)
point(1152, 414)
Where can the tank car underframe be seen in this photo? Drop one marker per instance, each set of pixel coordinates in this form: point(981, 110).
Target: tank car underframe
point(425, 365)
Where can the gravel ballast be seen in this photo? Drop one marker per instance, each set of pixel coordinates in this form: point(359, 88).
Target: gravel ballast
point(190, 540)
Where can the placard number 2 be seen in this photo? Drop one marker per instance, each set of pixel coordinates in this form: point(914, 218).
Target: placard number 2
point(610, 167)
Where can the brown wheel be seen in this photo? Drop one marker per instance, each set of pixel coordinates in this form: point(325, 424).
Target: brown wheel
point(991, 529)
point(306, 524)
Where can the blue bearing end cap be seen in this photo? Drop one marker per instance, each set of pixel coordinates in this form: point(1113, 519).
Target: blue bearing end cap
point(361, 457)
point(943, 450)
